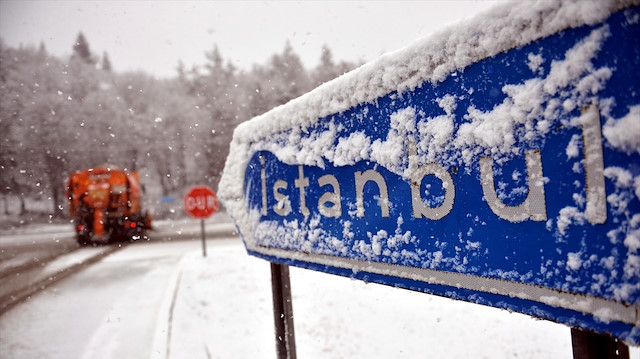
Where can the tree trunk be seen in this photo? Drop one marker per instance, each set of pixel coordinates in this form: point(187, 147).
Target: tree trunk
point(6, 204)
point(162, 175)
point(55, 168)
point(134, 160)
point(23, 206)
point(58, 211)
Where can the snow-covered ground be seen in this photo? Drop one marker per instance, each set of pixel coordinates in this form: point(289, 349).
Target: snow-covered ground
point(175, 303)
point(224, 308)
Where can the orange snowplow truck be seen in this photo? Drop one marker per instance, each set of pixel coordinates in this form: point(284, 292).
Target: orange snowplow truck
point(105, 205)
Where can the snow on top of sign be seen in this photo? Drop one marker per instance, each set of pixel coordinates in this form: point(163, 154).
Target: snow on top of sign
point(432, 59)
point(527, 114)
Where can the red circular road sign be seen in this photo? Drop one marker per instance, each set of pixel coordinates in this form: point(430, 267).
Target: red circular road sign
point(201, 202)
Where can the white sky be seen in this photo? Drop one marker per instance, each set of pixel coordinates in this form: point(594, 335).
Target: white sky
point(154, 35)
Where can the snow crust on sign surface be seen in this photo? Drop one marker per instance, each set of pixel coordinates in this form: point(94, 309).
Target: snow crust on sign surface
point(624, 133)
point(527, 114)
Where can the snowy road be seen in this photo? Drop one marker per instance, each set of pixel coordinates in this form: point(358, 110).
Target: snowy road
point(162, 299)
point(20, 246)
point(108, 310)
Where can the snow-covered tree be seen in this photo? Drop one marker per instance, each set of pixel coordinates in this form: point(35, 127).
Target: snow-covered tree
point(327, 69)
point(106, 63)
point(82, 51)
point(61, 115)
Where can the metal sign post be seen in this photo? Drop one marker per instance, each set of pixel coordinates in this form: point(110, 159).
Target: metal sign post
point(283, 311)
point(590, 345)
point(204, 242)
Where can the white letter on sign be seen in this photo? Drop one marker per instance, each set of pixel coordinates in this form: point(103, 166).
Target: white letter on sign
point(361, 179)
point(263, 180)
point(335, 210)
point(301, 183)
point(596, 211)
point(200, 203)
point(191, 204)
point(533, 207)
point(418, 173)
point(282, 206)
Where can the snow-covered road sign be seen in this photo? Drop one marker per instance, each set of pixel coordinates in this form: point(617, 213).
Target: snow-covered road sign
point(494, 164)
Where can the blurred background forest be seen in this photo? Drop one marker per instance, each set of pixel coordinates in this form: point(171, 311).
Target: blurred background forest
point(58, 115)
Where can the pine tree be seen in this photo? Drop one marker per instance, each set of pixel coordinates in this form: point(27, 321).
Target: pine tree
point(42, 51)
point(327, 69)
point(106, 64)
point(81, 49)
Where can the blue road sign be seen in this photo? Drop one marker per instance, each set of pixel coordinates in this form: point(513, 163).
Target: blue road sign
point(167, 199)
point(512, 180)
